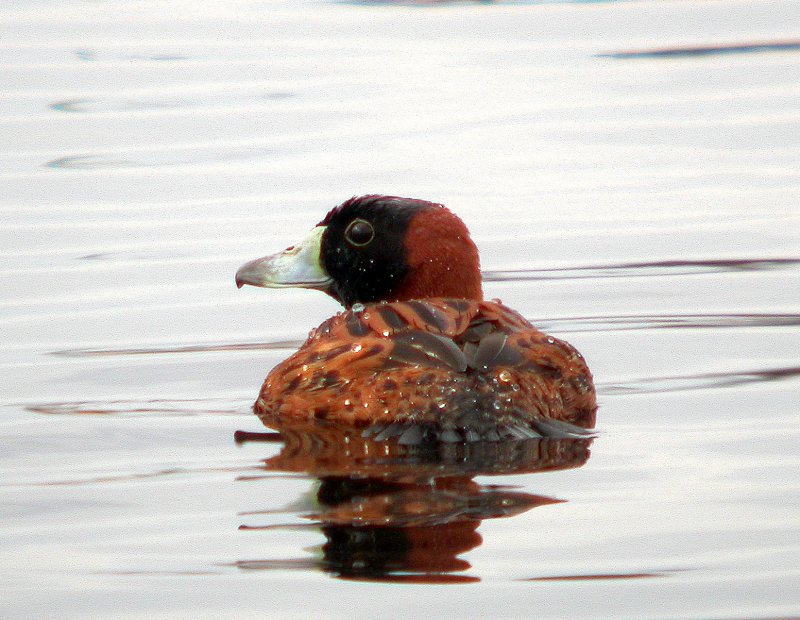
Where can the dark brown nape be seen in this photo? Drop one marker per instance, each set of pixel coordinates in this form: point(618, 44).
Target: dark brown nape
point(441, 256)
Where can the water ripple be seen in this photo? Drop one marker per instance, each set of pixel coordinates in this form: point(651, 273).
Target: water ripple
point(157, 158)
point(89, 55)
point(469, 2)
point(643, 269)
point(126, 105)
point(145, 408)
point(602, 324)
point(565, 325)
point(129, 477)
point(89, 162)
point(274, 345)
point(659, 385)
point(750, 47)
point(601, 576)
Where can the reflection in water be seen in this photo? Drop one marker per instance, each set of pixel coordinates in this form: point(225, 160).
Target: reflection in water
point(405, 513)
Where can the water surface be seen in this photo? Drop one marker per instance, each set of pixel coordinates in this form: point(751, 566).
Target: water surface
point(641, 203)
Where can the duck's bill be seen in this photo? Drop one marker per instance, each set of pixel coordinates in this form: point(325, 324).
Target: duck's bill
point(297, 266)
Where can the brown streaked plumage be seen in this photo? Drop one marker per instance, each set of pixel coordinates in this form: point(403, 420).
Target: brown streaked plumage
point(418, 354)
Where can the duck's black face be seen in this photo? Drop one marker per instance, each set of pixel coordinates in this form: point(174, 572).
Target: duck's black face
point(363, 247)
point(357, 254)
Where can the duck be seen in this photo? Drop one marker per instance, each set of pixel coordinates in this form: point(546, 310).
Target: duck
point(417, 354)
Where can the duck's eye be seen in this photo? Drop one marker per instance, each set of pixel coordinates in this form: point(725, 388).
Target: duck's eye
point(359, 233)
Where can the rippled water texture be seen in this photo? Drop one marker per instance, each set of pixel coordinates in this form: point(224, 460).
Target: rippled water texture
point(630, 173)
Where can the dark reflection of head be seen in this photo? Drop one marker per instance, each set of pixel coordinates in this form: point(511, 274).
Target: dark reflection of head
point(407, 513)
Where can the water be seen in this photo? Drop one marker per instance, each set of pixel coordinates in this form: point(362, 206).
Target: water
point(642, 204)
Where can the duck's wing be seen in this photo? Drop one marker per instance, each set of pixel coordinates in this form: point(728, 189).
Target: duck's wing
point(454, 363)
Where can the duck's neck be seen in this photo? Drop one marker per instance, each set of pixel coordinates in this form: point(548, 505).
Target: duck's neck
point(441, 257)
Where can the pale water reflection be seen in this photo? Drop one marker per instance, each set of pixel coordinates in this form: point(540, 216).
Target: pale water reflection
point(629, 172)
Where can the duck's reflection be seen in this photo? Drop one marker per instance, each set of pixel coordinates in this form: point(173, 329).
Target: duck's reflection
point(407, 513)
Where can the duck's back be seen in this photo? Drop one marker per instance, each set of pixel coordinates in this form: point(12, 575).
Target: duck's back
point(472, 370)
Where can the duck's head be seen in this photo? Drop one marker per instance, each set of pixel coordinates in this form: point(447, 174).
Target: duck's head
point(377, 248)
